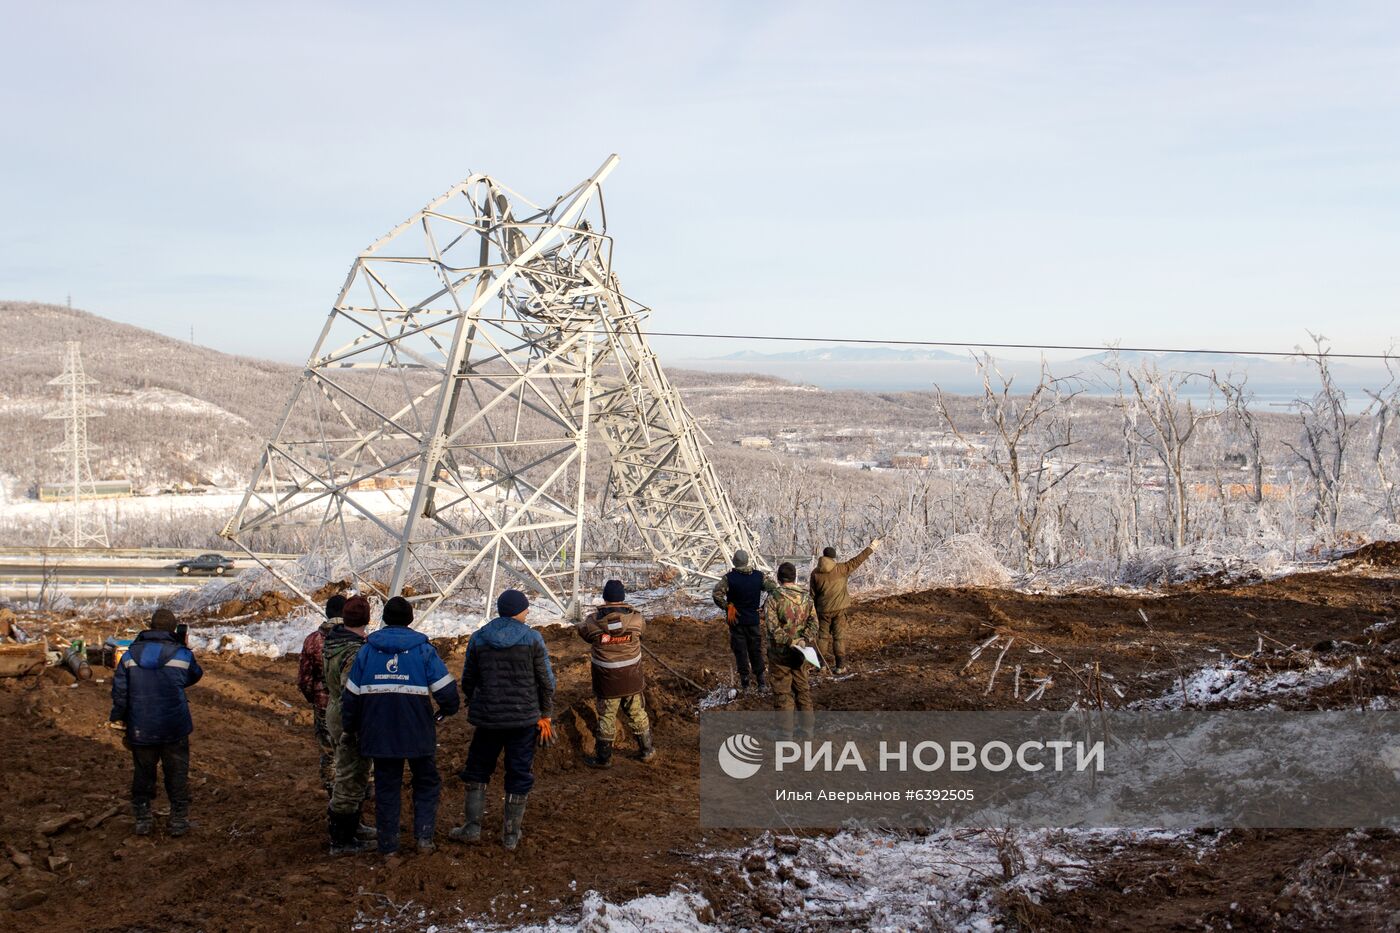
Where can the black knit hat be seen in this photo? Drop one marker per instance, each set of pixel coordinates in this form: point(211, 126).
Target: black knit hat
point(335, 606)
point(511, 603)
point(398, 611)
point(829, 552)
point(614, 592)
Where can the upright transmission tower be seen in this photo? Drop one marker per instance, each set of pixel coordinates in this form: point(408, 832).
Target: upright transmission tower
point(83, 530)
point(475, 356)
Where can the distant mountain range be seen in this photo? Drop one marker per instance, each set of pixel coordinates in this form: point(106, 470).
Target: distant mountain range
point(884, 368)
point(844, 353)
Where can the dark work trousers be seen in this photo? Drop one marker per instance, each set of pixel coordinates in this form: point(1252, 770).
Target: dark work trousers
point(487, 744)
point(746, 641)
point(388, 788)
point(174, 760)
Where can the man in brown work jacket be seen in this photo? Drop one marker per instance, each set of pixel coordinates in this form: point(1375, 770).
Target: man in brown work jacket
point(832, 599)
point(614, 630)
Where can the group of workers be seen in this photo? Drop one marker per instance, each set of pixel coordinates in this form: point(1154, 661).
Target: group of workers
point(804, 628)
point(377, 697)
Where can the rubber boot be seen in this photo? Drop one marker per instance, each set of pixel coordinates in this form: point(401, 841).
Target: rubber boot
point(645, 750)
point(762, 683)
point(343, 839)
point(426, 846)
point(366, 832)
point(179, 819)
point(470, 830)
point(602, 754)
point(515, 816)
point(145, 823)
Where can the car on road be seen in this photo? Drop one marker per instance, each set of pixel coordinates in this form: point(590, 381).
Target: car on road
point(205, 563)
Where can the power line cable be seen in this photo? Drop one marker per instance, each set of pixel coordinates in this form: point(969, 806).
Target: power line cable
point(1021, 346)
point(1099, 348)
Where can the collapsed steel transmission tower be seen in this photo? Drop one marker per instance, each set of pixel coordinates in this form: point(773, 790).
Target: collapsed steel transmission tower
point(474, 357)
point(82, 529)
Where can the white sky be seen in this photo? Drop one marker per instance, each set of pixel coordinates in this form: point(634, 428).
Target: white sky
point(1159, 173)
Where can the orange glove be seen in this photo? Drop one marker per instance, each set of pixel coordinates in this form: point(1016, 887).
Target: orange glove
point(546, 731)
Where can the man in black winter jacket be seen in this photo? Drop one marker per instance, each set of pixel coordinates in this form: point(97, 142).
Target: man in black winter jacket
point(508, 686)
point(739, 592)
point(148, 700)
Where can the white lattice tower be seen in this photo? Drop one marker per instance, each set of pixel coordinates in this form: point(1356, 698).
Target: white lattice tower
point(82, 530)
point(472, 355)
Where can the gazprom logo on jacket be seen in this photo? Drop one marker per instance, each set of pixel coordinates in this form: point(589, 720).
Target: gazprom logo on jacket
point(741, 756)
point(393, 666)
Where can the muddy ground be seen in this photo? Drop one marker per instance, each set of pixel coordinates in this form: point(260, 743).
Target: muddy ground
point(256, 859)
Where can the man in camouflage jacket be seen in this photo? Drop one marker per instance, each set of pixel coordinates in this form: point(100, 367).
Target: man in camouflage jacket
point(311, 681)
point(790, 622)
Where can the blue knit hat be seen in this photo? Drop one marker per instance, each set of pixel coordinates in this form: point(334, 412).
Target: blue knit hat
point(511, 603)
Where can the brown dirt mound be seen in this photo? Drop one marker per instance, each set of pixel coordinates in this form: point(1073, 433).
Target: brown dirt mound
point(1378, 554)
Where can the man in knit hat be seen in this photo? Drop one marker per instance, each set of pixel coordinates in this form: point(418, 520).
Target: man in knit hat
point(343, 643)
point(739, 593)
point(311, 681)
point(832, 598)
point(148, 701)
point(614, 630)
point(389, 702)
point(509, 689)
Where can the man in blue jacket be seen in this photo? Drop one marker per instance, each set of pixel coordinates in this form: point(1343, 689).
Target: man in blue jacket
point(388, 703)
point(148, 699)
point(509, 687)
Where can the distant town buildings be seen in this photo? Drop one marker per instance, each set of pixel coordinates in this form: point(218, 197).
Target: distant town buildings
point(910, 460)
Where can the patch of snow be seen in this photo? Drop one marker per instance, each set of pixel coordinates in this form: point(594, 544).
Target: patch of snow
point(274, 638)
point(1237, 681)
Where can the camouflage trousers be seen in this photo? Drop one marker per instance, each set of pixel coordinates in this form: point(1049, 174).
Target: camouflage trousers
point(351, 776)
point(633, 710)
point(327, 747)
point(791, 689)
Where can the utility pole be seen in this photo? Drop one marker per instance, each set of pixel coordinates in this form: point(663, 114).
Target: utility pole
point(75, 413)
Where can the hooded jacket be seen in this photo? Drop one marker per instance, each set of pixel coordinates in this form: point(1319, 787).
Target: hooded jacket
point(615, 634)
point(507, 679)
point(388, 697)
point(311, 676)
point(829, 591)
point(788, 616)
point(338, 654)
point(148, 691)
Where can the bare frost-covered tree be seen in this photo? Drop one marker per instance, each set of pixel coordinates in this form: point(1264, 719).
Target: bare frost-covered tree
point(1322, 446)
point(1167, 425)
point(1385, 402)
point(1027, 433)
point(1239, 401)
